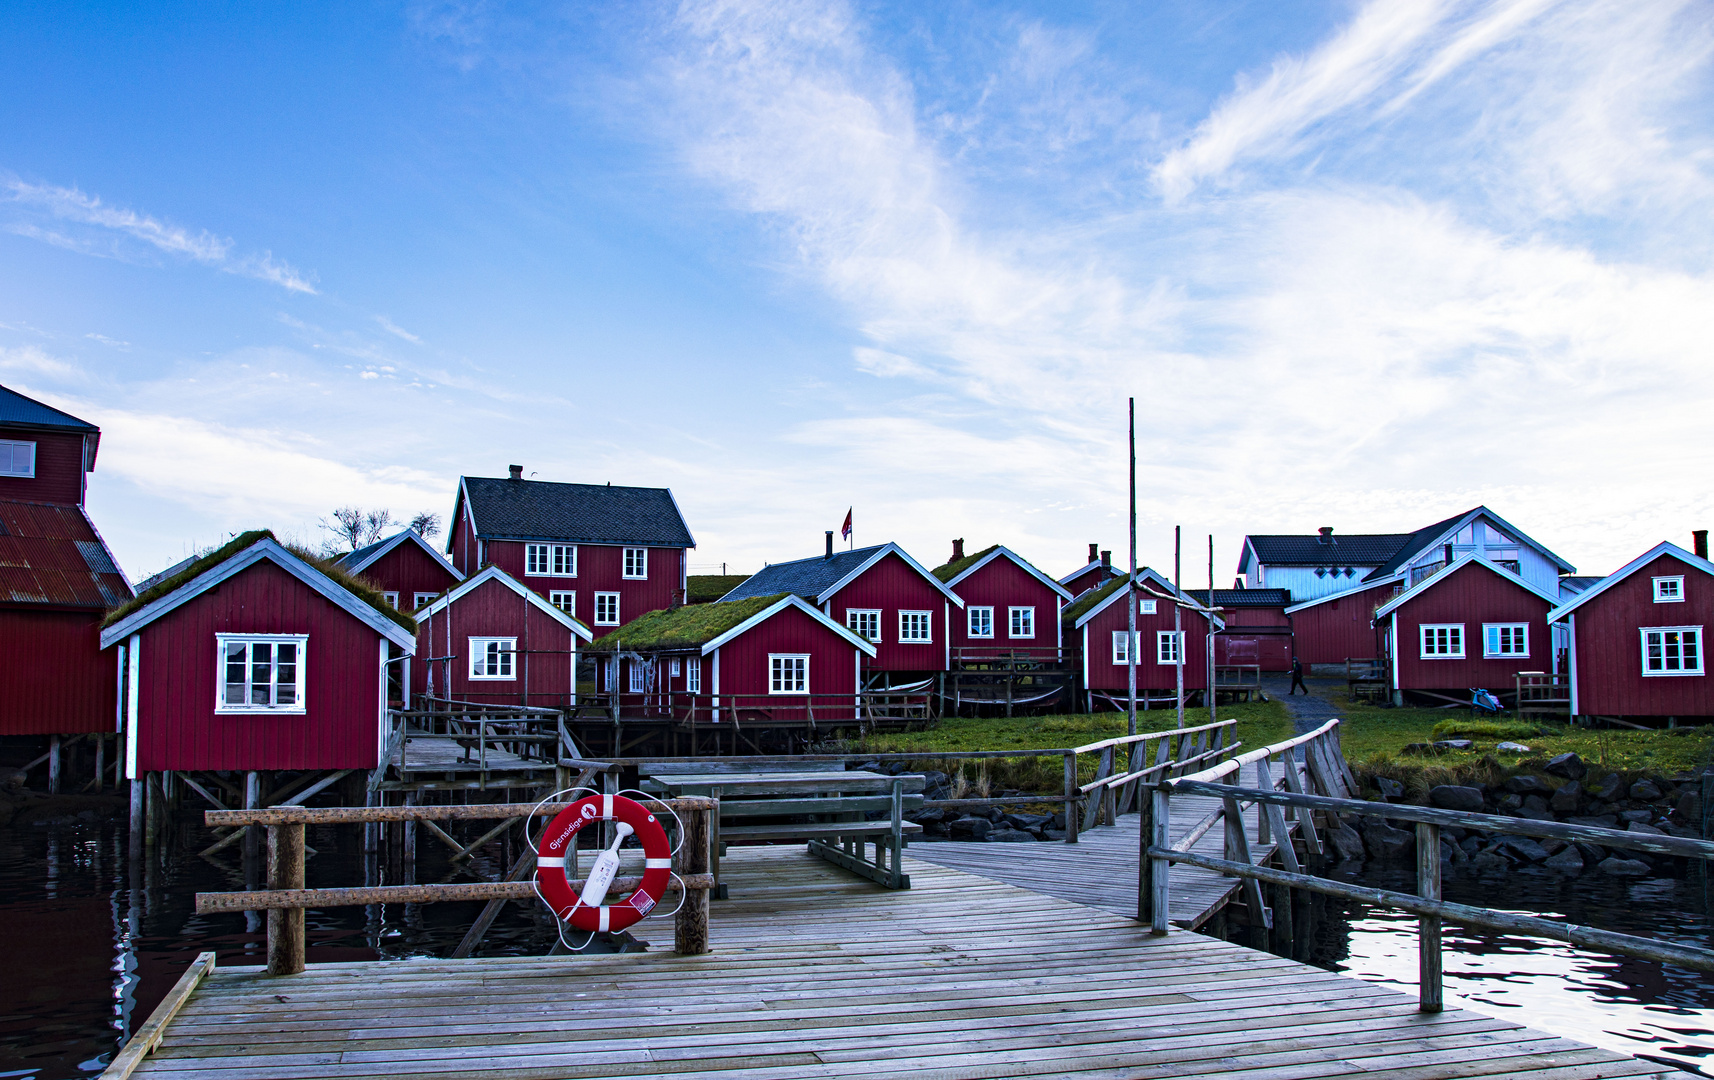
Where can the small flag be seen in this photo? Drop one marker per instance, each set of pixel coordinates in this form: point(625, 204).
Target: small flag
point(845, 530)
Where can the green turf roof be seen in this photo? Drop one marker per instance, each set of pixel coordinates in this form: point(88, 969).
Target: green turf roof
point(953, 569)
point(1075, 609)
point(707, 588)
point(683, 628)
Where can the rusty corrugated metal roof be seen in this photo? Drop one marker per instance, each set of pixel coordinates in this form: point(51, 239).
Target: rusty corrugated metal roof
point(51, 554)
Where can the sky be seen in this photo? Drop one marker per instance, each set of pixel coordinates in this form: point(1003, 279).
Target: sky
point(1364, 265)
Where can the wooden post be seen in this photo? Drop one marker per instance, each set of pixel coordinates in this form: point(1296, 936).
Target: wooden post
point(1238, 850)
point(1431, 995)
point(897, 872)
point(137, 811)
point(690, 926)
point(1071, 808)
point(53, 764)
point(1145, 865)
point(1161, 826)
point(285, 925)
point(151, 808)
point(100, 760)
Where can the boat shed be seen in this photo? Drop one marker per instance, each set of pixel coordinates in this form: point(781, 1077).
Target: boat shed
point(492, 640)
point(405, 568)
point(1098, 623)
point(1010, 607)
point(1257, 632)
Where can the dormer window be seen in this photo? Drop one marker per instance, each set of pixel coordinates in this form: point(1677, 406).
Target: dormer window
point(1669, 590)
point(17, 458)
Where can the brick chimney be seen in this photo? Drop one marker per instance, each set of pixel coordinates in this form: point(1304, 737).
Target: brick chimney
point(1106, 558)
point(1699, 543)
point(958, 549)
point(1327, 535)
point(829, 554)
point(517, 471)
point(1093, 554)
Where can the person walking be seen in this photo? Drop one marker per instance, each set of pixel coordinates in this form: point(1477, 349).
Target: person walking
point(1297, 678)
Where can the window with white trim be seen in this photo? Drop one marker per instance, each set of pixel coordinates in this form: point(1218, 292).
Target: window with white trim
point(564, 560)
point(550, 560)
point(864, 622)
point(788, 673)
point(693, 675)
point(1021, 622)
point(1672, 650)
point(493, 658)
point(1442, 641)
point(422, 600)
point(564, 599)
point(1146, 607)
point(392, 599)
point(637, 563)
point(1121, 654)
point(916, 626)
point(261, 673)
point(672, 668)
point(639, 677)
point(17, 458)
point(1167, 650)
point(606, 609)
point(1669, 590)
point(1505, 639)
point(981, 622)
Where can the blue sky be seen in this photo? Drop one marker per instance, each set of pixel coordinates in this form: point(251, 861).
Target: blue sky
point(1363, 265)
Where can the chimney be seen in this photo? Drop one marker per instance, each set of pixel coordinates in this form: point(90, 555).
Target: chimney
point(1327, 534)
point(1106, 558)
point(958, 549)
point(1699, 543)
point(517, 471)
point(1093, 554)
point(829, 544)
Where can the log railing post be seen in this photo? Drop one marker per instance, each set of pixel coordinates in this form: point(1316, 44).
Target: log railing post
point(1160, 828)
point(1431, 996)
point(1145, 865)
point(1071, 808)
point(690, 925)
point(285, 925)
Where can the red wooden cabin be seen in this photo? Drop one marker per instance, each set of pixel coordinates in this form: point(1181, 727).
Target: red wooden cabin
point(493, 641)
point(57, 577)
point(1473, 624)
point(769, 659)
point(404, 568)
point(252, 658)
point(1010, 607)
point(602, 554)
point(1638, 640)
point(1095, 573)
point(1098, 623)
point(1257, 633)
point(879, 593)
point(1334, 629)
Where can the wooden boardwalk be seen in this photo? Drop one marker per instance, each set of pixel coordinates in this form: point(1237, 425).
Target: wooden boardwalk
point(818, 973)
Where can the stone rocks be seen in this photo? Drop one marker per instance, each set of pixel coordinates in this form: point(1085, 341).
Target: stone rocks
point(1450, 797)
point(1513, 748)
point(1528, 785)
point(1567, 861)
point(970, 828)
point(1389, 789)
point(1617, 867)
point(1532, 814)
point(1509, 801)
point(1029, 822)
point(1386, 843)
point(1535, 802)
point(1521, 848)
point(1601, 821)
point(1646, 791)
point(1608, 789)
point(1454, 744)
point(1010, 836)
point(1489, 862)
point(1552, 846)
point(1690, 805)
point(1629, 816)
point(1345, 842)
point(932, 816)
point(1637, 826)
point(1569, 766)
point(1567, 798)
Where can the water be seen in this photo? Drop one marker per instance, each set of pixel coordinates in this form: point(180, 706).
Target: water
point(92, 943)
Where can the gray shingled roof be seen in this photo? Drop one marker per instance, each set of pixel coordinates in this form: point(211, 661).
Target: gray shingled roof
point(15, 408)
point(581, 513)
point(1237, 598)
point(1349, 549)
point(808, 578)
point(1418, 540)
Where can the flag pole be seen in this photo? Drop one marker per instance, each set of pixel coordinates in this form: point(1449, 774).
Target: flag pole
point(1208, 627)
point(1178, 612)
point(1131, 585)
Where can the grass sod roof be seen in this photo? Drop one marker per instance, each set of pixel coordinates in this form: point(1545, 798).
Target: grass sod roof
point(1074, 610)
point(707, 588)
point(952, 569)
point(683, 628)
point(242, 542)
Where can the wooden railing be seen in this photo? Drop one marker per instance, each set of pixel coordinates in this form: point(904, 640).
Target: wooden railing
point(1542, 694)
point(286, 898)
point(1159, 852)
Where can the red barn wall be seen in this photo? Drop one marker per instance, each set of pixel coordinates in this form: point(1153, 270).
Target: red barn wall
point(892, 585)
point(178, 726)
point(1003, 584)
point(1255, 635)
point(406, 570)
point(1103, 674)
point(1472, 596)
point(1609, 662)
point(600, 568)
point(744, 669)
point(1089, 578)
point(544, 665)
point(59, 469)
point(1341, 628)
point(54, 678)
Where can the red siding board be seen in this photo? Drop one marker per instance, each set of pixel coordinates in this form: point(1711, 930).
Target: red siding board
point(892, 586)
point(1472, 595)
point(600, 568)
point(59, 469)
point(407, 570)
point(1341, 628)
point(1152, 675)
point(744, 666)
point(54, 679)
point(1610, 681)
point(544, 667)
point(1002, 584)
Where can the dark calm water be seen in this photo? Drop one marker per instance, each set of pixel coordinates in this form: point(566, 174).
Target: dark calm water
point(90, 945)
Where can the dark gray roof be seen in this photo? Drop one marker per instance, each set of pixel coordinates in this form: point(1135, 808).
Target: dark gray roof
point(1413, 545)
point(1348, 549)
point(1237, 598)
point(15, 408)
point(1578, 582)
point(353, 558)
point(582, 513)
point(808, 578)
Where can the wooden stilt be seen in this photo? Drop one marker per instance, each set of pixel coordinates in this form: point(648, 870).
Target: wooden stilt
point(285, 925)
point(53, 764)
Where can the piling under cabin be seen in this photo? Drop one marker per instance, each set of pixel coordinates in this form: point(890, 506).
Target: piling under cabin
point(1097, 625)
point(492, 640)
point(405, 568)
point(1638, 646)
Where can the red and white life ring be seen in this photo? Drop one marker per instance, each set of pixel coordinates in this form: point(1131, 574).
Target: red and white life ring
point(562, 832)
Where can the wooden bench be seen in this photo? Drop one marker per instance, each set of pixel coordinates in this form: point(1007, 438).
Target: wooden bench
point(827, 805)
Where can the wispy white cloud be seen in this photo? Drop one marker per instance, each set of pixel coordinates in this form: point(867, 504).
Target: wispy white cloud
point(397, 331)
point(29, 358)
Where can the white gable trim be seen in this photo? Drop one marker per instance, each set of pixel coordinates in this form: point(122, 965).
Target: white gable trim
point(883, 552)
point(1482, 511)
point(271, 551)
point(393, 542)
point(1429, 582)
point(1145, 575)
point(789, 600)
point(1665, 547)
point(1112, 571)
point(1362, 586)
point(1022, 565)
point(494, 573)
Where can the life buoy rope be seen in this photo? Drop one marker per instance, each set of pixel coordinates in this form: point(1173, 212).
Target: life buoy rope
point(590, 911)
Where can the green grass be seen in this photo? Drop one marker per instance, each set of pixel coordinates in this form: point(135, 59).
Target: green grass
point(1489, 729)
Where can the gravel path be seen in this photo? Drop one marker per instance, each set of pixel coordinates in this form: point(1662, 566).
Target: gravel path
point(1307, 713)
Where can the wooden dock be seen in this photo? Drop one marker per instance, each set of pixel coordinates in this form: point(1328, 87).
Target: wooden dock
point(817, 973)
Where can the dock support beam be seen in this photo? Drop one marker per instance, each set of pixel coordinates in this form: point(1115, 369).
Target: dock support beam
point(1432, 996)
point(53, 764)
point(137, 808)
point(285, 925)
point(690, 929)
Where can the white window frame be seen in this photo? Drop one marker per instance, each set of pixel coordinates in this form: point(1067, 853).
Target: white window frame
point(1169, 647)
point(600, 599)
point(538, 559)
point(1494, 645)
point(298, 708)
point(506, 655)
point(1120, 656)
point(639, 677)
point(1674, 583)
point(1146, 607)
point(693, 675)
point(422, 600)
point(1441, 645)
point(925, 619)
point(1029, 619)
point(794, 667)
point(1700, 644)
point(672, 668)
point(636, 564)
point(986, 628)
point(392, 599)
point(854, 617)
point(565, 600)
point(562, 560)
point(9, 459)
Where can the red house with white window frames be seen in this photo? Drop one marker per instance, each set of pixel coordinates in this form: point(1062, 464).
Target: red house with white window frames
point(1010, 607)
point(602, 554)
point(1094, 574)
point(1334, 629)
point(252, 658)
point(1473, 624)
point(879, 593)
point(404, 568)
point(493, 641)
point(1638, 640)
point(1257, 630)
point(1097, 625)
